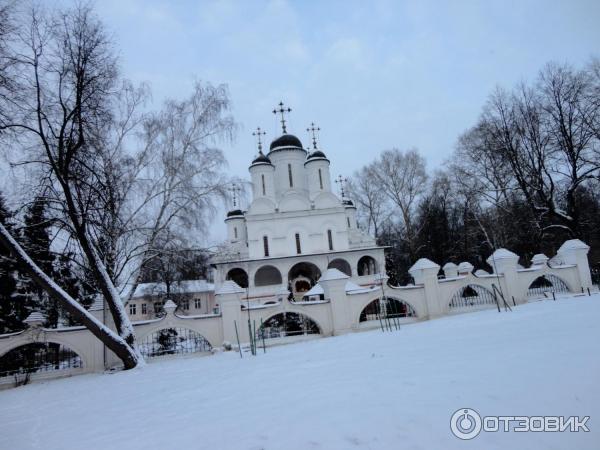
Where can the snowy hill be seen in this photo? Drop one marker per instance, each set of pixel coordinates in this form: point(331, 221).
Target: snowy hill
point(369, 390)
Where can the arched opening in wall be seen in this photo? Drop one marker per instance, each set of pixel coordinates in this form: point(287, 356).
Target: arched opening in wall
point(287, 324)
point(267, 276)
point(342, 265)
point(472, 296)
point(19, 363)
point(302, 277)
point(367, 266)
point(386, 307)
point(546, 283)
point(239, 276)
point(173, 341)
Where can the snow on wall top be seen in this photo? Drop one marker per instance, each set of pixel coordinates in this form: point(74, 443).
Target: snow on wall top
point(317, 289)
point(230, 287)
point(424, 263)
point(573, 244)
point(179, 287)
point(333, 274)
point(502, 253)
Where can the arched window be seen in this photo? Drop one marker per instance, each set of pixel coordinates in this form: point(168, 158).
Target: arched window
point(298, 246)
point(290, 175)
point(264, 189)
point(266, 245)
point(546, 283)
point(171, 341)
point(330, 239)
point(472, 296)
point(367, 266)
point(287, 324)
point(320, 179)
point(386, 307)
point(19, 363)
point(239, 276)
point(267, 276)
point(342, 265)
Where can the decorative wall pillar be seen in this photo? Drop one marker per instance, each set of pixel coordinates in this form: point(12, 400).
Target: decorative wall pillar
point(333, 283)
point(575, 252)
point(425, 272)
point(229, 299)
point(505, 263)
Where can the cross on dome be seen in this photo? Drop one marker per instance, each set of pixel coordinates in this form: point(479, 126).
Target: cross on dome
point(235, 191)
point(341, 181)
point(258, 133)
point(282, 111)
point(313, 129)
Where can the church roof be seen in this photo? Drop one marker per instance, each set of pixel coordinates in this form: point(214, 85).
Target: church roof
point(261, 159)
point(235, 212)
point(317, 154)
point(286, 140)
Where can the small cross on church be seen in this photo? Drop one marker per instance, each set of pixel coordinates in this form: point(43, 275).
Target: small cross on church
point(258, 133)
point(313, 129)
point(282, 111)
point(235, 192)
point(341, 181)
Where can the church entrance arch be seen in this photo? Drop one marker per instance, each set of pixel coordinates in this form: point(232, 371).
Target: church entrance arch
point(302, 277)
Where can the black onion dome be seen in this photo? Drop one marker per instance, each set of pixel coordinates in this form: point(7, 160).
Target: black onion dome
point(317, 154)
point(261, 159)
point(286, 140)
point(235, 212)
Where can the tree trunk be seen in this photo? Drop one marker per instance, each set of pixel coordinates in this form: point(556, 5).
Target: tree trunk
point(125, 352)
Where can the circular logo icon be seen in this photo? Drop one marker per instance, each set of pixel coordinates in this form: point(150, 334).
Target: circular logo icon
point(465, 423)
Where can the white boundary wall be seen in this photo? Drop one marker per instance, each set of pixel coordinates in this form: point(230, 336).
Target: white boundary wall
point(339, 313)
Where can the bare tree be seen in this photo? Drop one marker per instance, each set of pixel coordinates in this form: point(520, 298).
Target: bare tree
point(67, 73)
point(371, 200)
point(402, 178)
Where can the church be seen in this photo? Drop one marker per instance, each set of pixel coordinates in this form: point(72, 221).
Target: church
point(295, 227)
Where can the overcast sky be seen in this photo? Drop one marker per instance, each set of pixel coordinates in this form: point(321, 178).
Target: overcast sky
point(372, 74)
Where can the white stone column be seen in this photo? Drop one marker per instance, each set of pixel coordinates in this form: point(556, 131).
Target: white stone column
point(425, 272)
point(333, 283)
point(575, 252)
point(229, 299)
point(504, 262)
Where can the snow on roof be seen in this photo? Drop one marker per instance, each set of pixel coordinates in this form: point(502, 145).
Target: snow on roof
point(449, 265)
point(573, 244)
point(317, 289)
point(502, 253)
point(230, 287)
point(178, 287)
point(35, 316)
point(333, 274)
point(481, 273)
point(424, 263)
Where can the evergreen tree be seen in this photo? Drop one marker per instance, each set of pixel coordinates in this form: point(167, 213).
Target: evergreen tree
point(14, 308)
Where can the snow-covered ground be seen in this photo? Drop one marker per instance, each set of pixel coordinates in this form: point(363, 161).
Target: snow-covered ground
point(368, 390)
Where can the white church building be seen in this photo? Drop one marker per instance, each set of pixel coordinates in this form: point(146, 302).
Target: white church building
point(295, 228)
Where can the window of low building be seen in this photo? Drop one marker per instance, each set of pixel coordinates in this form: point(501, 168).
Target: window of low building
point(132, 309)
